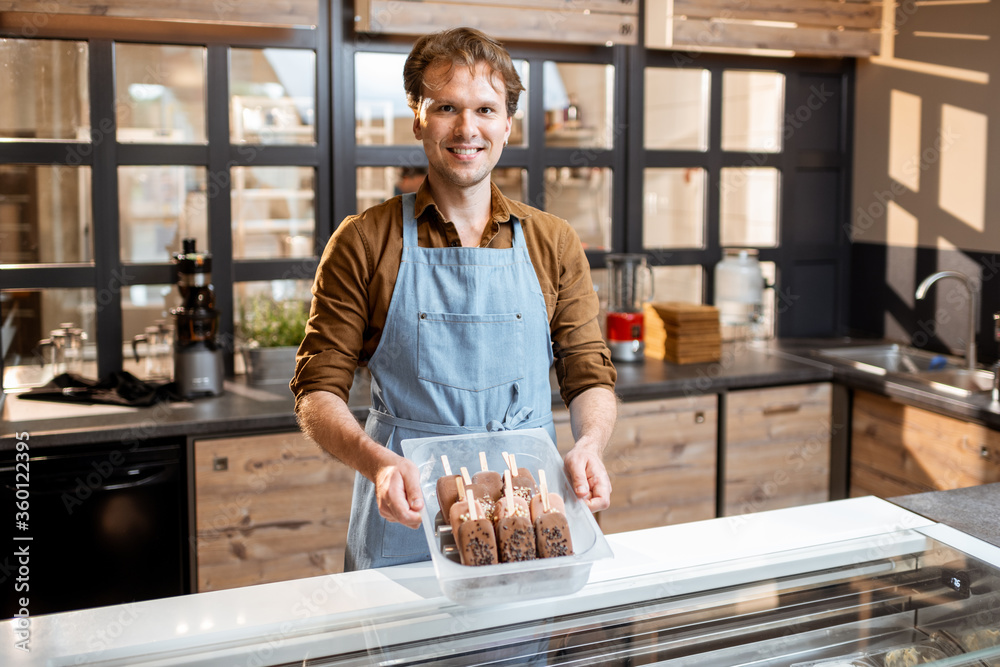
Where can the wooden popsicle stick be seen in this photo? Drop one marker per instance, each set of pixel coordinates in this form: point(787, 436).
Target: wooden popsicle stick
point(513, 465)
point(544, 490)
point(465, 475)
point(482, 461)
point(447, 466)
point(506, 458)
point(508, 492)
point(473, 510)
point(461, 489)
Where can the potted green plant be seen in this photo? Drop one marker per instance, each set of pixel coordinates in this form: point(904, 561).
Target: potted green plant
point(271, 332)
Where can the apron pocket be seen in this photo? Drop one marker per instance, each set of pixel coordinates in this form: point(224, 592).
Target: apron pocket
point(443, 340)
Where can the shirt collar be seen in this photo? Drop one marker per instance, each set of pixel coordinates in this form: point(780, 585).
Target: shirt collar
point(503, 208)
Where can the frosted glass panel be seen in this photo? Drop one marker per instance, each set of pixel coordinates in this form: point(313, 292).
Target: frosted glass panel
point(160, 93)
point(52, 101)
point(676, 108)
point(673, 212)
point(159, 206)
point(273, 212)
point(582, 196)
point(45, 214)
point(678, 283)
point(272, 96)
point(579, 105)
point(752, 111)
point(749, 207)
point(512, 181)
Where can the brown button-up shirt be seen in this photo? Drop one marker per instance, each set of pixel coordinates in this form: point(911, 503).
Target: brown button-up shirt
point(357, 274)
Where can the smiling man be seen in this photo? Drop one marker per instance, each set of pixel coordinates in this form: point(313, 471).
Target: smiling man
point(459, 301)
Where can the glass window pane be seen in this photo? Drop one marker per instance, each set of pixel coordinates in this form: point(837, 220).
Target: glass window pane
point(29, 317)
point(519, 124)
point(52, 99)
point(583, 197)
point(273, 96)
point(258, 299)
point(147, 330)
point(752, 110)
point(678, 283)
point(376, 184)
point(676, 108)
point(512, 181)
point(273, 212)
point(579, 104)
point(158, 207)
point(673, 214)
point(160, 93)
point(749, 207)
point(45, 214)
point(381, 114)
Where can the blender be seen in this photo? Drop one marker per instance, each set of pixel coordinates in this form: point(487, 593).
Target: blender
point(198, 369)
point(630, 284)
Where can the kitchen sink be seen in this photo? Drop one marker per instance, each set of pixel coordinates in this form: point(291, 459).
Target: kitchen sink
point(961, 381)
point(936, 371)
point(891, 358)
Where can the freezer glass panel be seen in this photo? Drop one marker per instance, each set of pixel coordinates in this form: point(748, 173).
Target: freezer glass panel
point(895, 599)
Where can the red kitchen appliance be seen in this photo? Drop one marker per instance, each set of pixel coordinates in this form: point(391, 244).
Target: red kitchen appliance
point(630, 285)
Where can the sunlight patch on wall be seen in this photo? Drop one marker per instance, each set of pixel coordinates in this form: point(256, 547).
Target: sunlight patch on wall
point(902, 226)
point(904, 138)
point(963, 165)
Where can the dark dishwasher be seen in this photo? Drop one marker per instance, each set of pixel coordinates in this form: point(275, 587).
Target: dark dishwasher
point(108, 525)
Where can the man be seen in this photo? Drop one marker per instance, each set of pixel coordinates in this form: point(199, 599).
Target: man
point(459, 300)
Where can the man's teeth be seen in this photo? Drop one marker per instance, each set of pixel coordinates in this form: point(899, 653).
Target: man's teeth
point(465, 151)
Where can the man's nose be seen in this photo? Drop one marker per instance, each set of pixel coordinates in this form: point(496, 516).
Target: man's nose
point(465, 125)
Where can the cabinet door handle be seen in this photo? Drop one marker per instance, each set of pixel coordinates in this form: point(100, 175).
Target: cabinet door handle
point(220, 463)
point(781, 409)
point(699, 418)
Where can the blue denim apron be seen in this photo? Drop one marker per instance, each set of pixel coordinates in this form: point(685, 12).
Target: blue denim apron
point(465, 349)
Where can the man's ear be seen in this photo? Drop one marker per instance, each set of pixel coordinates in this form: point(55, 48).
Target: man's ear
point(417, 130)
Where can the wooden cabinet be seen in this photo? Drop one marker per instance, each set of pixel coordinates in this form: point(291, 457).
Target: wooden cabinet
point(268, 508)
point(899, 449)
point(777, 444)
point(661, 460)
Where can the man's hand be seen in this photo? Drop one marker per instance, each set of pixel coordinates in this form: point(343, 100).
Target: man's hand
point(588, 476)
point(592, 417)
point(397, 489)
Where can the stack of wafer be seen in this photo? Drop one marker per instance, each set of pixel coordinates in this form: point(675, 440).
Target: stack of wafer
point(682, 333)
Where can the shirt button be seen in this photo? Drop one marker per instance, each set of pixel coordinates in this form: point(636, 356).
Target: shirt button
point(455, 244)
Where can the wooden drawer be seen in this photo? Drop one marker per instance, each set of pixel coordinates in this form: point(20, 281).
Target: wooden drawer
point(661, 460)
point(898, 449)
point(777, 447)
point(268, 508)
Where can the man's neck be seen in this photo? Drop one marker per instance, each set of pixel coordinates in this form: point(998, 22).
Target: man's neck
point(468, 209)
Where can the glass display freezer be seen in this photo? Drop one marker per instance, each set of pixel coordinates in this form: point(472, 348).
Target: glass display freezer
point(852, 582)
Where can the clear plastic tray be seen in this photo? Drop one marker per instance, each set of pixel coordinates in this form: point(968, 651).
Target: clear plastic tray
point(505, 582)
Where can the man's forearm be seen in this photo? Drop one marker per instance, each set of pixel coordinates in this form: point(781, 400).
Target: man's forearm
point(327, 419)
point(592, 416)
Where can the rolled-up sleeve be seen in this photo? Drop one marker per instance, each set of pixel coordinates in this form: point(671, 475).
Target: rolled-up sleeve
point(329, 352)
point(582, 358)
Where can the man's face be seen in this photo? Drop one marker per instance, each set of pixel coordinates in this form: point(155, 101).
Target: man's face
point(462, 122)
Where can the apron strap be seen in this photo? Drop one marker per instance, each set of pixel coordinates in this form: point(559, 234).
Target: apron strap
point(409, 222)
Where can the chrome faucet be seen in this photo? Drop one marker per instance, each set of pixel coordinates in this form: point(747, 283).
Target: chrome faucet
point(973, 287)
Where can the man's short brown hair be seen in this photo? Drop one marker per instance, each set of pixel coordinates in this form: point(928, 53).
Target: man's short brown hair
point(460, 46)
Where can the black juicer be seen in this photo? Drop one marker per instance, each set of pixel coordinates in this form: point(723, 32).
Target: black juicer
point(198, 369)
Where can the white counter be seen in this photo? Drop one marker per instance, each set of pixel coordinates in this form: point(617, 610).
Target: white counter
point(287, 621)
